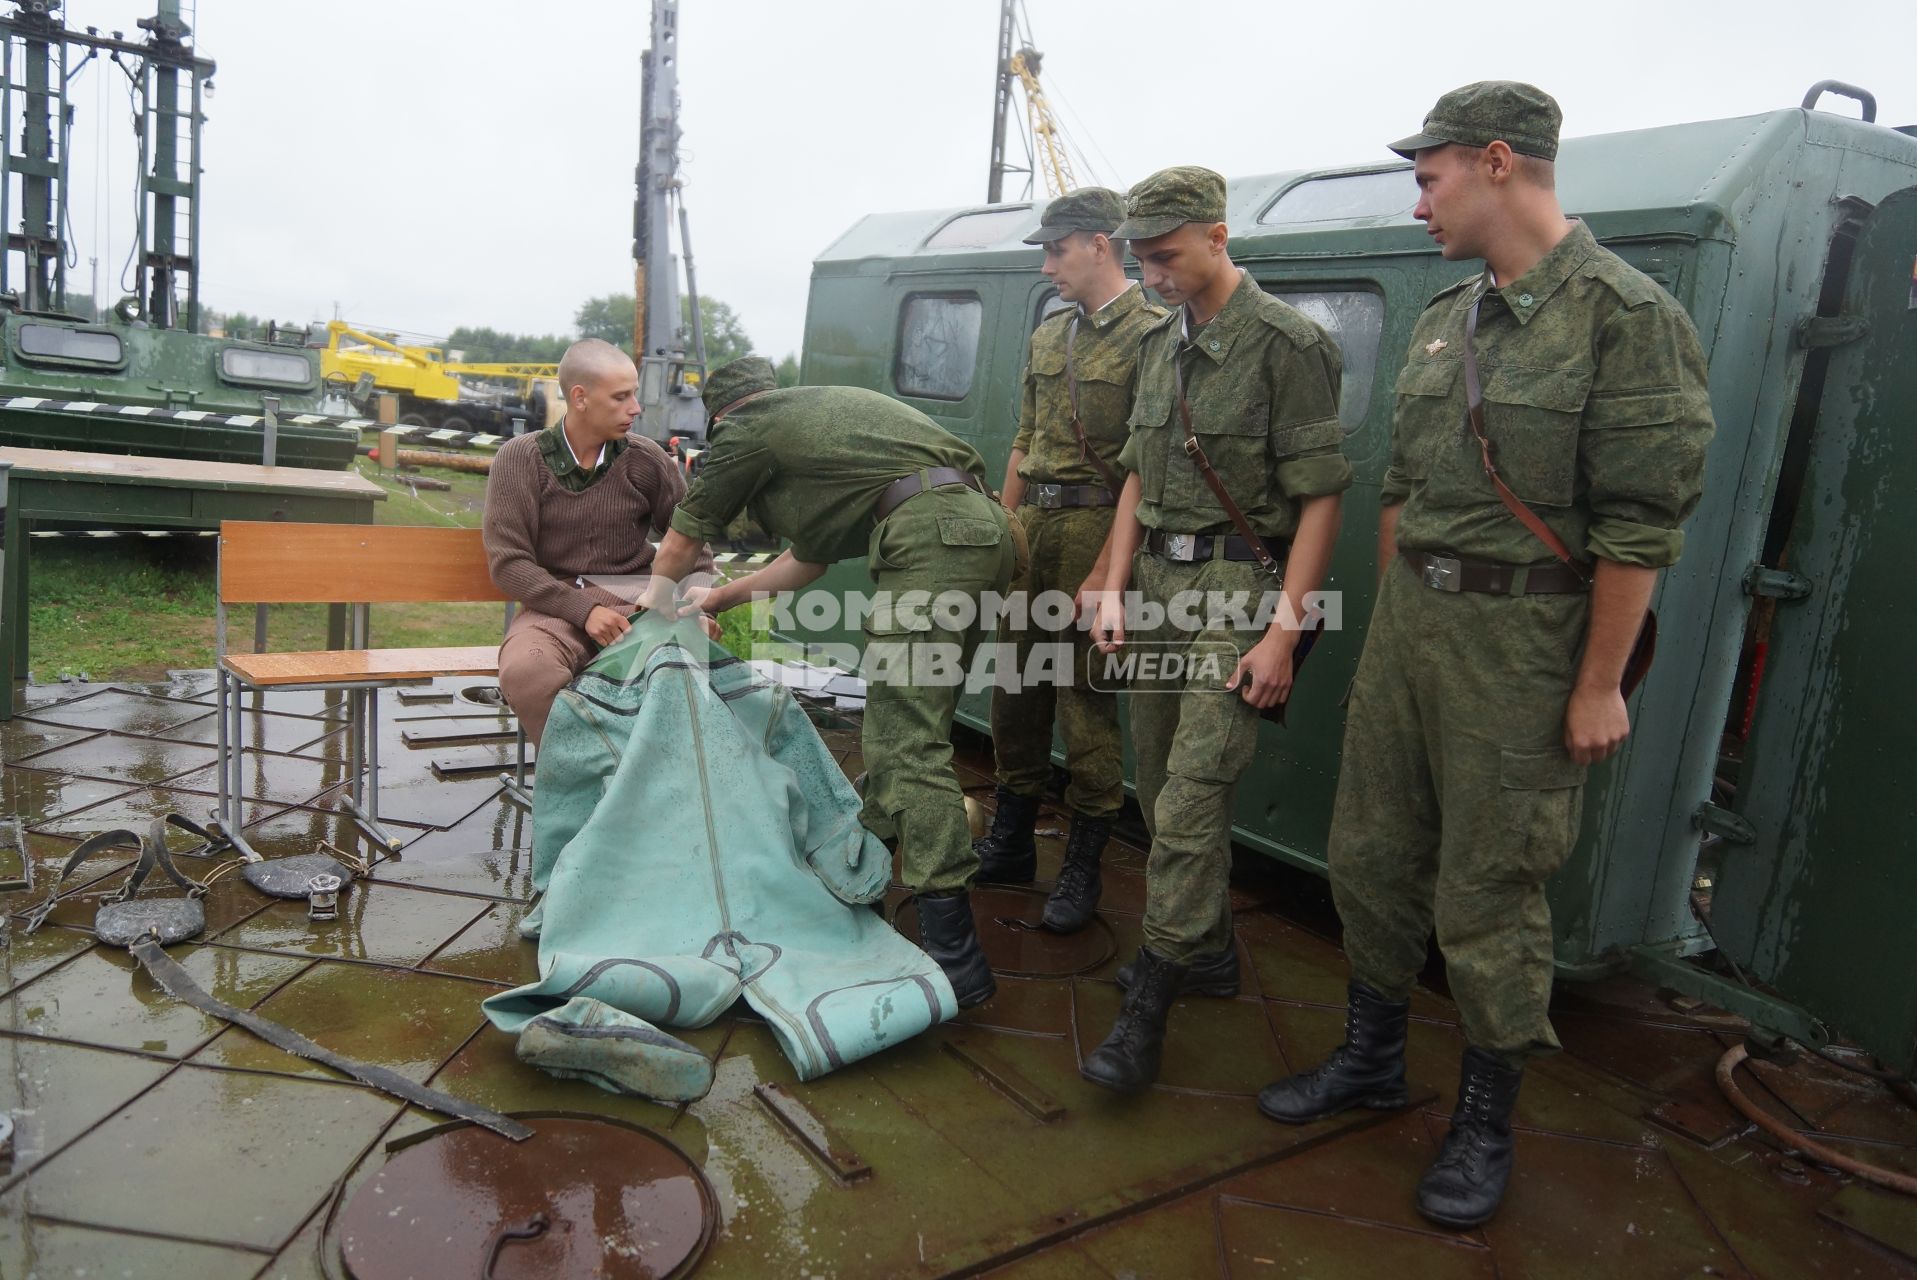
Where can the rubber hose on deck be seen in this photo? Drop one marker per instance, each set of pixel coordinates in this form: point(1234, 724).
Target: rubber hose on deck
point(1727, 1082)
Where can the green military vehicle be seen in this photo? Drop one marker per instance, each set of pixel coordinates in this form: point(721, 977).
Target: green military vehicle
point(143, 378)
point(1764, 779)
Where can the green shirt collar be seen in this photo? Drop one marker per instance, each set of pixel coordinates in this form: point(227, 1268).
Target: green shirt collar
point(557, 451)
point(1526, 295)
point(1129, 299)
point(1217, 335)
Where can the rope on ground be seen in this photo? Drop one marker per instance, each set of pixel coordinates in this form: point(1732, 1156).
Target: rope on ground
point(1727, 1082)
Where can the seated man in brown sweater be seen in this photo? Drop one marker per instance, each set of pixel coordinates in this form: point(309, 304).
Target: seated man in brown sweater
point(579, 500)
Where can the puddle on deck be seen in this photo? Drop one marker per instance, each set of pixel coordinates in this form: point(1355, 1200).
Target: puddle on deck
point(151, 1140)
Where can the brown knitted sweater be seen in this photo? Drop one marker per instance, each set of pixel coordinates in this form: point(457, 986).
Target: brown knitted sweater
point(540, 537)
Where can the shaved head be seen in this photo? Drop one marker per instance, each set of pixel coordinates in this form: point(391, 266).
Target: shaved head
point(588, 363)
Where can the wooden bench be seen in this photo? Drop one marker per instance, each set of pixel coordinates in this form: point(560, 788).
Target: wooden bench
point(266, 563)
point(76, 487)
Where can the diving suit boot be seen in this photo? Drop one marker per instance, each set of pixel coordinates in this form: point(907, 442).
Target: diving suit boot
point(947, 935)
point(1007, 853)
point(1128, 1060)
point(1214, 973)
point(1367, 1070)
point(1074, 899)
point(1465, 1184)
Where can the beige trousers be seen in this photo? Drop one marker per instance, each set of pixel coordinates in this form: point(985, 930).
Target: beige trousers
point(539, 657)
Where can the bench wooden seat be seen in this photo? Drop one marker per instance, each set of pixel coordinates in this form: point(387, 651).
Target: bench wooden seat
point(361, 666)
point(269, 562)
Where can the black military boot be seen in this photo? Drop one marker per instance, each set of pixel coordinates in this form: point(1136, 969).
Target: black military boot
point(1006, 853)
point(1367, 1070)
point(1214, 973)
point(1465, 1184)
point(1128, 1060)
point(946, 934)
point(1074, 899)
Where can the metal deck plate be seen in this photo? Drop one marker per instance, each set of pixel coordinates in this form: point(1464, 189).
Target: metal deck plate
point(583, 1196)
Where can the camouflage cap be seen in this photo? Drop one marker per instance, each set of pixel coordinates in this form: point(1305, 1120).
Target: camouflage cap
point(1086, 209)
point(1523, 116)
point(737, 379)
point(1169, 199)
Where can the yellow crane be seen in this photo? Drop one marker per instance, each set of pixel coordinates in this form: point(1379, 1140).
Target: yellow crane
point(452, 395)
point(1054, 163)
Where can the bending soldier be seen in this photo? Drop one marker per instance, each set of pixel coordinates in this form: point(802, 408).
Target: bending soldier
point(1061, 485)
point(842, 472)
point(1259, 382)
point(1491, 671)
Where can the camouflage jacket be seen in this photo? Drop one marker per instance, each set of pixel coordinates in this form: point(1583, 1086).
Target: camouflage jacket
point(1262, 381)
point(809, 464)
point(1105, 359)
point(1594, 401)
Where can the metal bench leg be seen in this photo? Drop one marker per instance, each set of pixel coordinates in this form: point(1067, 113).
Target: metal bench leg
point(232, 777)
point(364, 806)
point(514, 783)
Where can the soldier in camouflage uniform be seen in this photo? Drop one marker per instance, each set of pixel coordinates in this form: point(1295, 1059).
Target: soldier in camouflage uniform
point(1061, 485)
point(1262, 384)
point(1490, 676)
point(842, 472)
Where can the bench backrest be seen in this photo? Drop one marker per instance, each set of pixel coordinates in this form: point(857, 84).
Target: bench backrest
point(274, 562)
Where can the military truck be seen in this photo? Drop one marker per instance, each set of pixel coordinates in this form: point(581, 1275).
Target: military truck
point(142, 378)
point(1762, 787)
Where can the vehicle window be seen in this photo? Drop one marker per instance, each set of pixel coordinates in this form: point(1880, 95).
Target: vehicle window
point(243, 365)
point(1390, 193)
point(982, 230)
point(69, 344)
point(1046, 305)
point(1355, 320)
point(938, 345)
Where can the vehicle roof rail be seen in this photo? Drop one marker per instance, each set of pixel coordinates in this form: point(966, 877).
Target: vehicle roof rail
point(1864, 97)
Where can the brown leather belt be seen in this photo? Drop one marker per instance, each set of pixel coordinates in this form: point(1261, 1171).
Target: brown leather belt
point(918, 482)
point(1050, 497)
point(1206, 546)
point(1454, 573)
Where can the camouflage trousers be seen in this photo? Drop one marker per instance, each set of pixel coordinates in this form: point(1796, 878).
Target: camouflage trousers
point(944, 540)
point(1065, 544)
point(1457, 800)
point(1191, 739)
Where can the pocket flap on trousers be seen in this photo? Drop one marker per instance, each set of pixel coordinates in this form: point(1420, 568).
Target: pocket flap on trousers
point(1538, 769)
point(961, 531)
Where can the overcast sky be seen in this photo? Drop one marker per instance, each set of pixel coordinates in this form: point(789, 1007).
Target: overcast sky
point(423, 164)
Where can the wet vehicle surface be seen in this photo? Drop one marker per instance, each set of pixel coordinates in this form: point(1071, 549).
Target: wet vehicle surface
point(150, 1139)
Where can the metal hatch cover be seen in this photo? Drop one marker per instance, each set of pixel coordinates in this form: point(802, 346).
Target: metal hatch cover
point(586, 1196)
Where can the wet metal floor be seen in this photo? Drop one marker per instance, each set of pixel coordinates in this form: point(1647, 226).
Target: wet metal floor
point(151, 1140)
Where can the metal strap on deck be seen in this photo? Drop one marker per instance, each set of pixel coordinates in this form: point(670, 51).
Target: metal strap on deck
point(179, 984)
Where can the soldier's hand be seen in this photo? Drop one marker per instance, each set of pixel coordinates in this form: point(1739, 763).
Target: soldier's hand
point(1085, 602)
point(1263, 675)
point(1595, 723)
point(1108, 623)
point(710, 625)
point(606, 625)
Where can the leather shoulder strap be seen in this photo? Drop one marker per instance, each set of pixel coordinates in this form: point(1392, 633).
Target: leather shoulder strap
point(1086, 453)
point(1196, 453)
point(1474, 414)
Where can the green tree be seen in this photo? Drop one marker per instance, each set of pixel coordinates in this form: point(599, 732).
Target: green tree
point(490, 346)
point(238, 324)
point(726, 338)
point(610, 317)
point(789, 371)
